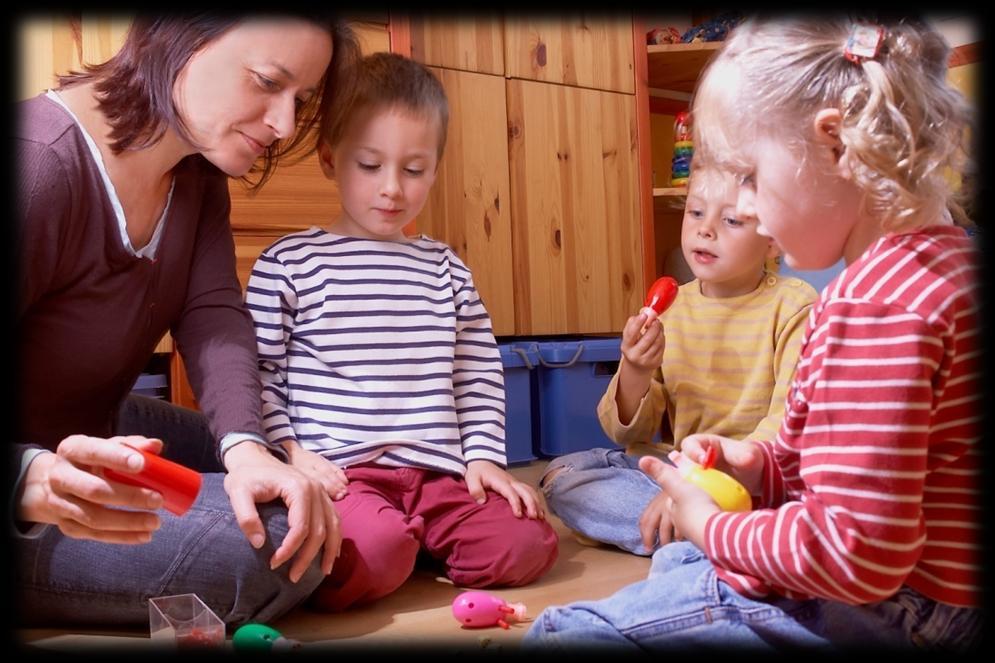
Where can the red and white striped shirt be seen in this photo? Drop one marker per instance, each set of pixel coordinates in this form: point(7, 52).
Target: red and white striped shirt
point(872, 482)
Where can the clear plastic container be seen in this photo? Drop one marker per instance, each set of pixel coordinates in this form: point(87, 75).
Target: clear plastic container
point(184, 622)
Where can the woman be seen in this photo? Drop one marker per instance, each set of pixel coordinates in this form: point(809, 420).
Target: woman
point(123, 234)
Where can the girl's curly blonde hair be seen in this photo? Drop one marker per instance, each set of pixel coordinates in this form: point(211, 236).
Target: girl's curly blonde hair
point(904, 128)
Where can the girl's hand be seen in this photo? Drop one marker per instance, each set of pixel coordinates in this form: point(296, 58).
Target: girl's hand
point(691, 507)
point(67, 489)
point(482, 474)
point(319, 468)
point(643, 351)
point(742, 460)
point(655, 522)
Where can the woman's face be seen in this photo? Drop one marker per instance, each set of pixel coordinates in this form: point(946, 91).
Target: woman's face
point(240, 93)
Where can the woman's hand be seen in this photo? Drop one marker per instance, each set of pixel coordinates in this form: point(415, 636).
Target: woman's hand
point(482, 474)
point(256, 476)
point(67, 489)
point(742, 460)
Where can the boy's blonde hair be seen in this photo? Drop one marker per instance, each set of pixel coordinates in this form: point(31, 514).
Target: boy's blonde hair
point(705, 178)
point(903, 126)
point(387, 80)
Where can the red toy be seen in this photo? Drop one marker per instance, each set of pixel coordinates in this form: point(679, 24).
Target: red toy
point(179, 485)
point(661, 295)
point(480, 609)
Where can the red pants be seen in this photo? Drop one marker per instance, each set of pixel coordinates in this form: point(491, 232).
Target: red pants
point(390, 513)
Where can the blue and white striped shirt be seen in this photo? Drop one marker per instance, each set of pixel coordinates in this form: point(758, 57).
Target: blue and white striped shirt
point(375, 350)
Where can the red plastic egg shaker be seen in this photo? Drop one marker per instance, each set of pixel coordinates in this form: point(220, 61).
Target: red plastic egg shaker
point(662, 294)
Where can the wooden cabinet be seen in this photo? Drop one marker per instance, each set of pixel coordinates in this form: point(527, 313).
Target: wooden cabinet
point(473, 42)
point(544, 124)
point(593, 51)
point(576, 231)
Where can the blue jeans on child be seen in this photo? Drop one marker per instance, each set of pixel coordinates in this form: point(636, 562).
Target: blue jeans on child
point(73, 581)
point(600, 493)
point(683, 605)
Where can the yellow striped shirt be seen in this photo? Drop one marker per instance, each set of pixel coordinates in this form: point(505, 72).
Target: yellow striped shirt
point(726, 367)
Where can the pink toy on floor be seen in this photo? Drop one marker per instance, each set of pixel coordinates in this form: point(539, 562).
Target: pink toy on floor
point(480, 609)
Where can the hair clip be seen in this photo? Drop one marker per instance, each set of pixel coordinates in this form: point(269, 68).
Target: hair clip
point(864, 42)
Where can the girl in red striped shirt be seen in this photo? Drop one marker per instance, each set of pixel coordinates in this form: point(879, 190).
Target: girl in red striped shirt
point(865, 522)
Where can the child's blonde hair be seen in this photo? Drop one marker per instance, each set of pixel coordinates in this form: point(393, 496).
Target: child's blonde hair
point(388, 80)
point(903, 126)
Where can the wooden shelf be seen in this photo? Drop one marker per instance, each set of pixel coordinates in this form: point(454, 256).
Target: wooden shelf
point(668, 200)
point(676, 66)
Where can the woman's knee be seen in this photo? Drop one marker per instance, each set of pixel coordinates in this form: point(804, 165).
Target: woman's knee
point(263, 594)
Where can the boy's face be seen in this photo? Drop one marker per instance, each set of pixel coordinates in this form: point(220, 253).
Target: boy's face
point(385, 166)
point(725, 253)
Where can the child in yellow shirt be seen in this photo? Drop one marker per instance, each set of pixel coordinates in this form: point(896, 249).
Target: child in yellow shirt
point(732, 339)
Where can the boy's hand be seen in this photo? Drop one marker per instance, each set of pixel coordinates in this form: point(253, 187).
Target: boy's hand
point(742, 460)
point(643, 351)
point(326, 472)
point(482, 474)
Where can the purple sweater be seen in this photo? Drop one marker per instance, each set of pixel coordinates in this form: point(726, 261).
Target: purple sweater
point(89, 313)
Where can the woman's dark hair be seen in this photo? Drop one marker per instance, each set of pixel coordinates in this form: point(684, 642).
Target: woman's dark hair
point(134, 88)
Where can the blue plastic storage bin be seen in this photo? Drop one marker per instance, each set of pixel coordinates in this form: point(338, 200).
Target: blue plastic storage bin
point(572, 377)
point(518, 403)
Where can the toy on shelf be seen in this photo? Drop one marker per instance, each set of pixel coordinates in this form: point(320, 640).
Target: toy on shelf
point(480, 610)
point(680, 167)
point(661, 295)
point(728, 493)
point(668, 35)
point(714, 29)
point(179, 485)
point(259, 637)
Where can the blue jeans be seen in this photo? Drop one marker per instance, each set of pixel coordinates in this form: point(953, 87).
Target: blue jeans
point(683, 605)
point(65, 581)
point(600, 493)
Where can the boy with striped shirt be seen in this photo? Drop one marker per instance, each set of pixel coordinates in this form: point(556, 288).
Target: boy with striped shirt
point(732, 338)
point(381, 375)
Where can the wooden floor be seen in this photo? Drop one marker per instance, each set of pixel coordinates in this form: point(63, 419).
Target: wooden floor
point(420, 612)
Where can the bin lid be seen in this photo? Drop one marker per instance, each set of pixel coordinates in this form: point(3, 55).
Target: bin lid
point(591, 350)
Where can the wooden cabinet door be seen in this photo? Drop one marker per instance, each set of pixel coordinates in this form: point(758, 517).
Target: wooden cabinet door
point(472, 42)
point(576, 49)
point(469, 206)
point(576, 234)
